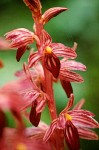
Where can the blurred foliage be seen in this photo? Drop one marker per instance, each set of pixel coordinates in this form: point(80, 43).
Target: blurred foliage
point(79, 24)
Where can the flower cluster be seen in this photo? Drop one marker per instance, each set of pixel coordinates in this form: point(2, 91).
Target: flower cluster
point(33, 90)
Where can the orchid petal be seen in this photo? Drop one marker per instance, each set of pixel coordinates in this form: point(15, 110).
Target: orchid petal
point(20, 52)
point(20, 37)
point(33, 58)
point(34, 116)
point(67, 87)
point(52, 63)
point(70, 76)
point(84, 120)
point(50, 131)
point(72, 65)
point(46, 38)
point(71, 136)
point(69, 104)
point(87, 134)
point(79, 104)
point(41, 104)
point(75, 112)
point(34, 5)
point(52, 12)
point(63, 51)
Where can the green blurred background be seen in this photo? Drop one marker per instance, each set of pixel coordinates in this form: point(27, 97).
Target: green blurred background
point(79, 24)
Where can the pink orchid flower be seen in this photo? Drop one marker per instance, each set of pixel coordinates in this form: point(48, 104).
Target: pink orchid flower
point(74, 123)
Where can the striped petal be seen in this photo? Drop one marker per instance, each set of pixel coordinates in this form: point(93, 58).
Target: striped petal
point(20, 37)
point(52, 63)
point(41, 102)
point(72, 65)
point(52, 12)
point(63, 51)
point(87, 134)
point(82, 120)
point(69, 104)
point(33, 58)
point(70, 76)
point(81, 112)
point(34, 5)
point(50, 131)
point(46, 39)
point(71, 136)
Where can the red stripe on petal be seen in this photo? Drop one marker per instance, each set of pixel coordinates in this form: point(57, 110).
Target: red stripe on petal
point(87, 134)
point(83, 120)
point(81, 112)
point(72, 65)
point(33, 5)
point(71, 136)
point(33, 58)
point(52, 12)
point(63, 51)
point(50, 131)
point(69, 104)
point(52, 63)
point(70, 76)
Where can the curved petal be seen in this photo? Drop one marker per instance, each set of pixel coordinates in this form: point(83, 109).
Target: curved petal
point(52, 12)
point(20, 52)
point(34, 115)
point(87, 134)
point(70, 76)
point(72, 65)
point(46, 39)
point(75, 112)
point(16, 32)
point(79, 104)
point(52, 63)
point(50, 131)
point(30, 96)
point(33, 5)
point(67, 87)
point(63, 51)
point(20, 37)
point(33, 58)
point(41, 102)
point(20, 41)
point(69, 104)
point(83, 120)
point(71, 136)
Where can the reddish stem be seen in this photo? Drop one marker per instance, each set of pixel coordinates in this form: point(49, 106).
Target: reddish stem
point(49, 92)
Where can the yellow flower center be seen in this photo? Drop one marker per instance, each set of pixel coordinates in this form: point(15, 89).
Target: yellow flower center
point(48, 50)
point(68, 117)
point(21, 146)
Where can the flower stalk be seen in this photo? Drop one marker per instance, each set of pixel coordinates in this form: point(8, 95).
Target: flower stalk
point(49, 92)
point(28, 96)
